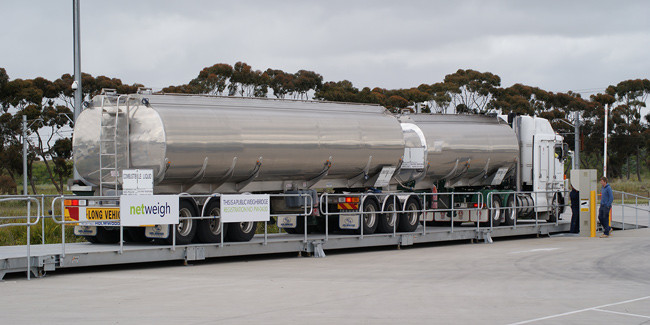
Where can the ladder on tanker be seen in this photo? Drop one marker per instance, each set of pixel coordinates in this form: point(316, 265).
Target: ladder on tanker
point(108, 141)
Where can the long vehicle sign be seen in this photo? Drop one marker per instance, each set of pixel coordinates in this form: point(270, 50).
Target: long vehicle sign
point(99, 216)
point(102, 214)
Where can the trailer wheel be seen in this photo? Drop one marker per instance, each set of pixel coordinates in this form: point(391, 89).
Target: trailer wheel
point(241, 231)
point(104, 236)
point(186, 228)
point(209, 230)
point(91, 239)
point(409, 220)
point(370, 217)
point(135, 235)
point(510, 211)
point(388, 220)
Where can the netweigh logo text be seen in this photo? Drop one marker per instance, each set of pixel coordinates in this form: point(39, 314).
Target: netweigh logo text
point(156, 209)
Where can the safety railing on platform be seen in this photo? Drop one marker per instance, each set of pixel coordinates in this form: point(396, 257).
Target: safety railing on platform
point(28, 222)
point(395, 207)
point(453, 211)
point(58, 208)
point(632, 202)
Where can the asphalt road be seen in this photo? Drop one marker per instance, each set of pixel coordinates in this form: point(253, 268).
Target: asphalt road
point(557, 280)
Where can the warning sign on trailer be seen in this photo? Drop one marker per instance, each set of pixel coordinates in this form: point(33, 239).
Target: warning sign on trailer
point(137, 181)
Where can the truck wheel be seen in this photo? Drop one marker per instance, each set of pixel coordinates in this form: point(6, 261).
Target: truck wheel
point(370, 217)
point(135, 235)
point(409, 220)
point(186, 228)
point(241, 231)
point(554, 213)
point(209, 230)
point(510, 212)
point(388, 220)
point(495, 213)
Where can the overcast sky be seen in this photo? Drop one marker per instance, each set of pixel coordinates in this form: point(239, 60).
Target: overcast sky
point(555, 45)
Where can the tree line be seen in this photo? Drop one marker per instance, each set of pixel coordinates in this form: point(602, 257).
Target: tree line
point(48, 106)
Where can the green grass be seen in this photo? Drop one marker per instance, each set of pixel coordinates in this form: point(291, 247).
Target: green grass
point(45, 229)
point(632, 185)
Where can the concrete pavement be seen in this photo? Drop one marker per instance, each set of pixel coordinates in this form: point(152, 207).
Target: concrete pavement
point(557, 280)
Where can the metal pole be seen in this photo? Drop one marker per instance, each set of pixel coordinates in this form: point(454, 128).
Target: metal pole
point(77, 58)
point(24, 154)
point(576, 157)
point(605, 142)
point(78, 93)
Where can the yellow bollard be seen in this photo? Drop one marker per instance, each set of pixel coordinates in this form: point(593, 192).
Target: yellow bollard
point(593, 213)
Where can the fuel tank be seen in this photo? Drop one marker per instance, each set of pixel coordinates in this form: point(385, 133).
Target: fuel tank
point(463, 150)
point(193, 139)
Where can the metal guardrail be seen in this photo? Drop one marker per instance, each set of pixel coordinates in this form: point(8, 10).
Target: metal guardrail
point(28, 223)
point(636, 206)
point(60, 200)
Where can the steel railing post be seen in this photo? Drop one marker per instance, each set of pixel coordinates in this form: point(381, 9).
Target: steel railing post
point(395, 216)
point(636, 211)
point(514, 204)
point(535, 203)
point(29, 239)
point(43, 220)
point(361, 216)
point(62, 226)
point(451, 213)
point(622, 208)
point(424, 214)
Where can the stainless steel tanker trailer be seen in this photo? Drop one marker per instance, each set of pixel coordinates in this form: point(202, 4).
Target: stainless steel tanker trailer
point(337, 157)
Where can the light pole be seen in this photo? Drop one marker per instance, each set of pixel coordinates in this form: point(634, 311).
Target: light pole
point(77, 58)
point(76, 85)
point(605, 143)
point(25, 155)
point(576, 158)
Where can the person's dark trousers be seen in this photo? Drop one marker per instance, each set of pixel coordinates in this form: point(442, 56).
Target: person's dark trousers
point(575, 220)
point(603, 217)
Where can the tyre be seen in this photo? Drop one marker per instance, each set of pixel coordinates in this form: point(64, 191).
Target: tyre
point(370, 216)
point(388, 220)
point(209, 230)
point(241, 231)
point(186, 228)
point(409, 220)
point(91, 239)
point(495, 213)
point(510, 213)
point(554, 212)
point(135, 235)
point(105, 236)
